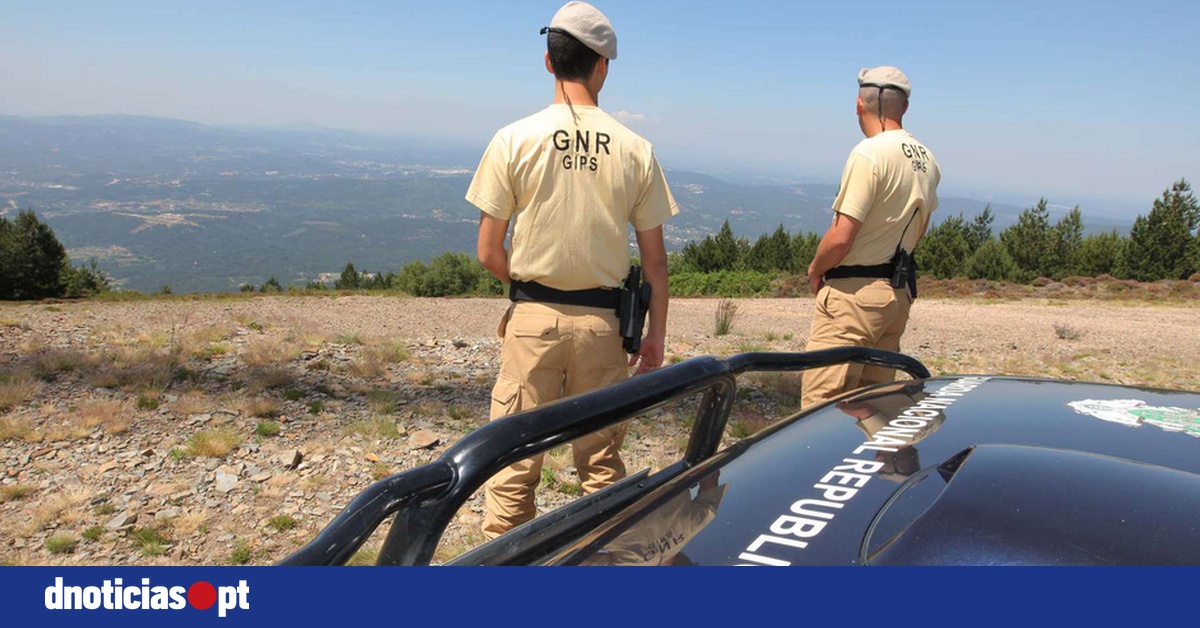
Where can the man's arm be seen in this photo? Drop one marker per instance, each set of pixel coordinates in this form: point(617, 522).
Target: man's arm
point(834, 246)
point(490, 247)
point(654, 272)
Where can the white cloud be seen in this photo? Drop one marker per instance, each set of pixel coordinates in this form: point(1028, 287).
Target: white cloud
point(627, 117)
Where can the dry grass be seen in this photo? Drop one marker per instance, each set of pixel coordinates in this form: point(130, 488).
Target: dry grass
point(375, 358)
point(189, 522)
point(462, 534)
point(723, 320)
point(311, 340)
point(18, 428)
point(262, 407)
point(373, 428)
point(13, 492)
point(1067, 332)
point(31, 346)
point(555, 476)
point(12, 323)
point(214, 350)
point(270, 352)
point(349, 338)
point(382, 401)
point(16, 390)
point(213, 443)
point(111, 415)
point(48, 365)
point(379, 471)
point(249, 321)
point(210, 334)
point(193, 402)
point(259, 379)
point(276, 487)
point(63, 507)
point(366, 367)
point(314, 482)
point(388, 352)
point(134, 369)
point(364, 557)
point(65, 428)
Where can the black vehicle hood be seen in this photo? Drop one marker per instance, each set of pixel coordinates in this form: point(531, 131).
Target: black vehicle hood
point(865, 480)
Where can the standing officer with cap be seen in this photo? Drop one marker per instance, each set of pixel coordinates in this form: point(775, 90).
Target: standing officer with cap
point(571, 179)
point(863, 274)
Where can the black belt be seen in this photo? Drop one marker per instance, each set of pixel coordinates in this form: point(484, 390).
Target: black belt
point(878, 271)
point(607, 298)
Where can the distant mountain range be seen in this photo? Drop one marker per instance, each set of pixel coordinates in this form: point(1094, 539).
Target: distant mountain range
point(201, 208)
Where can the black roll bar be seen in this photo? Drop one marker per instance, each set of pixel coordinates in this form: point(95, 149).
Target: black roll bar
point(425, 499)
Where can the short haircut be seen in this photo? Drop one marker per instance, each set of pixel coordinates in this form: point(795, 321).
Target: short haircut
point(894, 100)
point(570, 59)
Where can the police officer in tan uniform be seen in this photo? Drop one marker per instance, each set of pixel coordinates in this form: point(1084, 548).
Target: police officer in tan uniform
point(571, 180)
point(888, 192)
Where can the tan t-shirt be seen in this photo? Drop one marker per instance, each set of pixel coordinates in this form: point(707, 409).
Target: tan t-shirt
point(571, 186)
point(887, 179)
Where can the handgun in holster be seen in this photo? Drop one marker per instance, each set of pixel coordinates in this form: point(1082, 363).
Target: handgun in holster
point(904, 271)
point(635, 302)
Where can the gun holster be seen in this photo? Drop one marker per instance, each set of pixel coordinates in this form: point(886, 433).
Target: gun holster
point(635, 302)
point(904, 271)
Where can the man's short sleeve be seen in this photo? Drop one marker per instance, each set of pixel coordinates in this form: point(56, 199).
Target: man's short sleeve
point(932, 201)
point(655, 204)
point(857, 193)
point(491, 189)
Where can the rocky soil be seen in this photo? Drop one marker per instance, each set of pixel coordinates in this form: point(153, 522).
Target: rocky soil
point(219, 431)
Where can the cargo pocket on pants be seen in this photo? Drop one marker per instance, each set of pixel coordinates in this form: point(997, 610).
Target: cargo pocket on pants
point(533, 326)
point(506, 398)
point(876, 296)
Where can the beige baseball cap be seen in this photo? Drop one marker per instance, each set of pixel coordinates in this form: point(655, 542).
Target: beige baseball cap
point(587, 24)
point(885, 76)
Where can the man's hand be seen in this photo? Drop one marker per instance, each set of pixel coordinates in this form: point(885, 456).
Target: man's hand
point(814, 280)
point(654, 272)
point(650, 356)
point(490, 246)
point(834, 246)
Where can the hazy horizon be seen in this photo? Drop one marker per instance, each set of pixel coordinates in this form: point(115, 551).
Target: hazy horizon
point(1018, 101)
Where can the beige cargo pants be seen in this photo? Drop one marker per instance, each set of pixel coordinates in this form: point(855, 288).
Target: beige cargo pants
point(551, 351)
point(853, 312)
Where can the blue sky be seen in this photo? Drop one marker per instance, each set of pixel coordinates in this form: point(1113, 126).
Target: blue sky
point(1083, 102)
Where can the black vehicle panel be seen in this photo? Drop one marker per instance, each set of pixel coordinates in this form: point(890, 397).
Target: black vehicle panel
point(760, 518)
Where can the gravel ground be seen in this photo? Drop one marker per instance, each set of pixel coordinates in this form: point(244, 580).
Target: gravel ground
point(165, 431)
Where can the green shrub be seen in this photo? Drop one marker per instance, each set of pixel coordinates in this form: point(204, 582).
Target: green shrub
point(85, 280)
point(449, 274)
point(241, 554)
point(725, 283)
point(61, 543)
point(282, 523)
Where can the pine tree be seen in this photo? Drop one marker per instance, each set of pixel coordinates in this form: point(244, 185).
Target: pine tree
point(1030, 243)
point(34, 258)
point(993, 262)
point(349, 279)
point(760, 255)
point(7, 260)
point(804, 249)
point(980, 229)
point(780, 250)
point(1099, 254)
point(727, 250)
point(1161, 243)
point(945, 248)
point(1068, 236)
